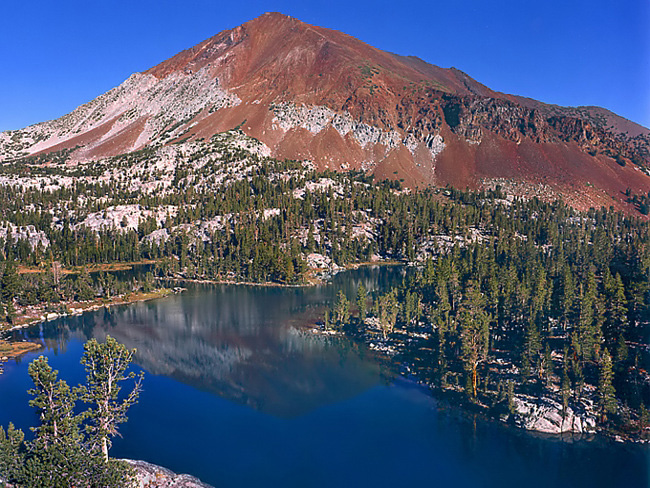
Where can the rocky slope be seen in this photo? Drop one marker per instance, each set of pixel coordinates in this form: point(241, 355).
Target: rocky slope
point(311, 93)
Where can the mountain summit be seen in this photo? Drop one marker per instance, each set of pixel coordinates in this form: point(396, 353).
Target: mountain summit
point(311, 93)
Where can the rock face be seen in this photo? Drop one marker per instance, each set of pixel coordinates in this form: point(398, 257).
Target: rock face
point(545, 415)
point(152, 476)
point(310, 93)
point(28, 233)
point(126, 217)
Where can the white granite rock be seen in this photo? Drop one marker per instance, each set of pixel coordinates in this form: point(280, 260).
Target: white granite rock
point(545, 415)
point(152, 476)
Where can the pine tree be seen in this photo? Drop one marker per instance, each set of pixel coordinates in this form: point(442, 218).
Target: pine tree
point(10, 282)
point(11, 312)
point(326, 320)
point(565, 391)
point(106, 365)
point(533, 346)
point(577, 377)
point(588, 332)
point(55, 402)
point(621, 350)
point(474, 332)
point(443, 308)
point(60, 454)
point(644, 419)
point(616, 310)
point(606, 392)
point(342, 309)
point(362, 298)
point(547, 366)
point(12, 453)
point(388, 311)
point(83, 286)
point(567, 295)
point(411, 307)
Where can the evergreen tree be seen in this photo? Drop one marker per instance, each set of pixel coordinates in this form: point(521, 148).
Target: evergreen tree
point(60, 455)
point(83, 286)
point(362, 299)
point(606, 392)
point(55, 401)
point(342, 309)
point(533, 346)
point(411, 307)
point(106, 365)
point(474, 332)
point(565, 391)
point(547, 366)
point(12, 453)
point(326, 320)
point(621, 350)
point(10, 282)
point(388, 309)
point(616, 309)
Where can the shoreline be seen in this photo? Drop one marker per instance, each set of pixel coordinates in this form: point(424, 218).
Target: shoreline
point(13, 350)
point(520, 420)
point(312, 280)
point(38, 314)
point(267, 284)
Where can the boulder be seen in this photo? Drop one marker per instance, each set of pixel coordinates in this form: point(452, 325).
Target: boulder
point(545, 415)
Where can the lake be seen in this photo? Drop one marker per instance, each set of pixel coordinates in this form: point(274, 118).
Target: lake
point(240, 394)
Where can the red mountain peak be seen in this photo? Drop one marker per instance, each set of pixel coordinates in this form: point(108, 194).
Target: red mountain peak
point(314, 93)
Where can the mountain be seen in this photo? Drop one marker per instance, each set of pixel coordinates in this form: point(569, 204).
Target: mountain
point(311, 93)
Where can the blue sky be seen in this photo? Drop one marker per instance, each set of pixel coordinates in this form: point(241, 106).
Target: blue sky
point(56, 55)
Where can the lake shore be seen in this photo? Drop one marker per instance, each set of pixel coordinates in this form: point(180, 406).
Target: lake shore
point(538, 416)
point(313, 277)
point(11, 350)
point(36, 314)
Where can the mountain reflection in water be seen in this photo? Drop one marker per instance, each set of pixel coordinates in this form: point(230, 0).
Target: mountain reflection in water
point(247, 344)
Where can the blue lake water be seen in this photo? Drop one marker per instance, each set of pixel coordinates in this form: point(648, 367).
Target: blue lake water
point(238, 393)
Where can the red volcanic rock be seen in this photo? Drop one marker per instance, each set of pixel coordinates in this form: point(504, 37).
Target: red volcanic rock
point(313, 93)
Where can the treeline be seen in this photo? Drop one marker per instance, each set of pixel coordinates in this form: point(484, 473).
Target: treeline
point(264, 225)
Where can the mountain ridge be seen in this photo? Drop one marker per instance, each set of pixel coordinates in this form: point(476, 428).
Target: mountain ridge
point(312, 93)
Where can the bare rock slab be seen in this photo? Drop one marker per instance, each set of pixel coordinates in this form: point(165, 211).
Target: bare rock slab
point(152, 476)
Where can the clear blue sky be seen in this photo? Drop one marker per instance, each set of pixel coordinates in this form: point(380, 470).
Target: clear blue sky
point(56, 55)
